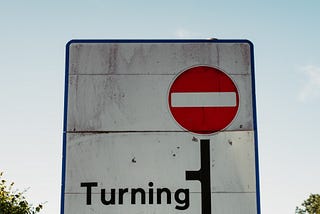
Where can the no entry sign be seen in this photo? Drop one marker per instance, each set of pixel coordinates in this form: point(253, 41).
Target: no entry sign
point(160, 126)
point(203, 99)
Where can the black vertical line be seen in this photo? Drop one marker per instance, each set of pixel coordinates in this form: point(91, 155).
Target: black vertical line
point(203, 175)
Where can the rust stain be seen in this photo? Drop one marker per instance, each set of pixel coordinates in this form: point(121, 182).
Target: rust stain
point(194, 139)
point(133, 160)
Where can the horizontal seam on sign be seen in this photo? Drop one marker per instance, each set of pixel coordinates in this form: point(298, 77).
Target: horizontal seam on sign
point(122, 74)
point(101, 74)
point(121, 132)
point(98, 193)
point(116, 132)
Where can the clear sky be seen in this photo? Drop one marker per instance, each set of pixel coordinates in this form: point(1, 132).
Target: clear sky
point(287, 63)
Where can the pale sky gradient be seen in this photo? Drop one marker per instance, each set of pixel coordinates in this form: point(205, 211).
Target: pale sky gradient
point(287, 63)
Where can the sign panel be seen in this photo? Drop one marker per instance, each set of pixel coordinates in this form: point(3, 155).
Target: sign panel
point(160, 126)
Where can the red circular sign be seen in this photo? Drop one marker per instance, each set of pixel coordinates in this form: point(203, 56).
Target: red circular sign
point(203, 100)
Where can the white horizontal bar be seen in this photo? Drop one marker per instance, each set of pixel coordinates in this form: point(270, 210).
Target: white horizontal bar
point(203, 99)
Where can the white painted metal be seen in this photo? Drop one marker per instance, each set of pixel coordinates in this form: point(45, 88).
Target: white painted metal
point(128, 103)
point(120, 133)
point(121, 160)
point(154, 58)
point(202, 99)
point(146, 156)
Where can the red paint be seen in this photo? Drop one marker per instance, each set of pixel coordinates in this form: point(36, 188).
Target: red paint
point(203, 120)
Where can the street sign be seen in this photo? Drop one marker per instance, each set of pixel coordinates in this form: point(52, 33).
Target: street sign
point(203, 99)
point(160, 126)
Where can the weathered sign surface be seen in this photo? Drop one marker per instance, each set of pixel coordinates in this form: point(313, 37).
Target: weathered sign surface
point(160, 126)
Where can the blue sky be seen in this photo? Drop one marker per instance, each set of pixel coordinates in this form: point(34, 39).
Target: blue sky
point(287, 63)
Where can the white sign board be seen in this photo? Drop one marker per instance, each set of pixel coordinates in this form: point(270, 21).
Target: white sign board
point(160, 126)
